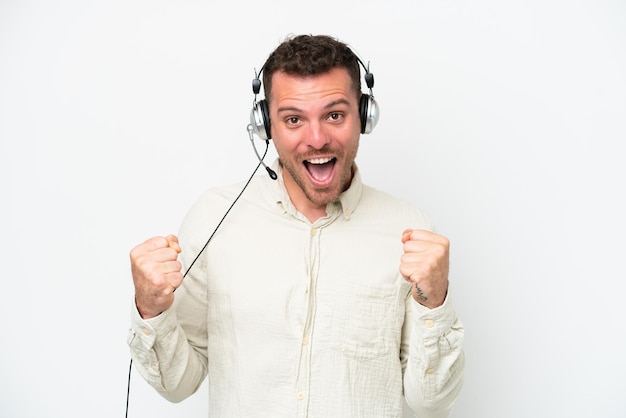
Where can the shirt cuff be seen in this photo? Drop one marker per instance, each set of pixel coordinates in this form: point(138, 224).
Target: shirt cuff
point(148, 329)
point(437, 321)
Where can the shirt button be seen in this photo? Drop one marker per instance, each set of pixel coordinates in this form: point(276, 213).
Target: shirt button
point(305, 341)
point(146, 331)
point(429, 371)
point(347, 213)
point(300, 395)
point(429, 323)
point(154, 367)
point(314, 231)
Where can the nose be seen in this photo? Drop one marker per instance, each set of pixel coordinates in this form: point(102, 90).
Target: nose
point(317, 137)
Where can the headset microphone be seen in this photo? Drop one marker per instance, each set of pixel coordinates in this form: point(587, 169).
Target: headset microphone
point(271, 172)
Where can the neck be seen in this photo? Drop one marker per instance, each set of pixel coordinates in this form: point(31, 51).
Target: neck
point(311, 210)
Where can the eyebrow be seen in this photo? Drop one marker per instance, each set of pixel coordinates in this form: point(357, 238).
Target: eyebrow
point(297, 109)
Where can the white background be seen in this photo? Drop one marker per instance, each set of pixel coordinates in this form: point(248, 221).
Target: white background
point(504, 121)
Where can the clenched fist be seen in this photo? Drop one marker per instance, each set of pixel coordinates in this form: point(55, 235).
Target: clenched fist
point(425, 264)
point(156, 274)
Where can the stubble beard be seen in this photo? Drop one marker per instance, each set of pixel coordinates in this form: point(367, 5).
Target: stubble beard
point(322, 197)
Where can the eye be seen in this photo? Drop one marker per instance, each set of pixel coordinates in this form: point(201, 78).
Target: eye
point(293, 120)
point(335, 116)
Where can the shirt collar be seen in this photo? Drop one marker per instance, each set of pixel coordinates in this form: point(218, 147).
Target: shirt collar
point(345, 204)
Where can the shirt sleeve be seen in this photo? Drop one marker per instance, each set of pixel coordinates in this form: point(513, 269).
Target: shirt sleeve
point(432, 358)
point(170, 350)
point(163, 355)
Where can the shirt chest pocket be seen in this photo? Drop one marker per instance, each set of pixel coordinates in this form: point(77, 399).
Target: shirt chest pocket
point(365, 327)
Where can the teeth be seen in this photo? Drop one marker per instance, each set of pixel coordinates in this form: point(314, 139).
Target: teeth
point(319, 160)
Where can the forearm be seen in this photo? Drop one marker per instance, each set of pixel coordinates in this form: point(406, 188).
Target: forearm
point(164, 357)
point(433, 359)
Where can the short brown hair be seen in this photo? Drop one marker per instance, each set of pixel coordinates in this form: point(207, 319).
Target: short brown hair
point(305, 55)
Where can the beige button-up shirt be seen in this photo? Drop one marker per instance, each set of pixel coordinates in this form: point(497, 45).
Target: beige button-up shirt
point(289, 318)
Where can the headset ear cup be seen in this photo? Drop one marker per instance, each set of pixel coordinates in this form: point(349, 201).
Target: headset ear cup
point(368, 111)
point(265, 111)
point(260, 120)
point(363, 105)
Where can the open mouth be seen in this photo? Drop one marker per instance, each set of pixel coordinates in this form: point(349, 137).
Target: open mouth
point(320, 169)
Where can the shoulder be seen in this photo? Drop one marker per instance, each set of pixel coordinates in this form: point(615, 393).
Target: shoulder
point(215, 203)
point(376, 202)
point(221, 197)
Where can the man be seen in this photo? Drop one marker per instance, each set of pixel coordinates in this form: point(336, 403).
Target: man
point(319, 296)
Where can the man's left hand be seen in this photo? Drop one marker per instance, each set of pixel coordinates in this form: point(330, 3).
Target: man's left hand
point(425, 264)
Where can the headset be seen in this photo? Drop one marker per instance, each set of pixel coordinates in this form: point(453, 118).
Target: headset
point(260, 115)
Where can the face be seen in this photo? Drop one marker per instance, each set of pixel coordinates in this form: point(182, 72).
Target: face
point(315, 129)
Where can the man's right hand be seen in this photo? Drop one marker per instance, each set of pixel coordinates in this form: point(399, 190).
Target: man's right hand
point(156, 274)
